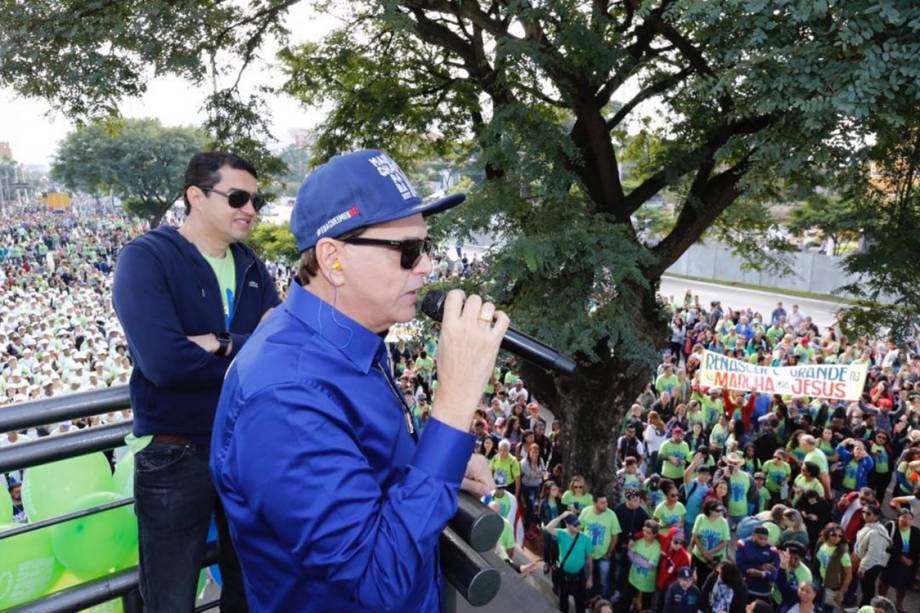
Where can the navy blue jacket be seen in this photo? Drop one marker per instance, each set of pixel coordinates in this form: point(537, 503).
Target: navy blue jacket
point(165, 291)
point(749, 555)
point(679, 600)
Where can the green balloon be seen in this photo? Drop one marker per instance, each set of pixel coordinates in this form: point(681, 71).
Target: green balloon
point(123, 478)
point(202, 583)
point(94, 545)
point(27, 566)
point(6, 504)
point(50, 489)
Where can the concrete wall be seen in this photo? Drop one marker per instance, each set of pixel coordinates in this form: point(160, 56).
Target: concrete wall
point(813, 272)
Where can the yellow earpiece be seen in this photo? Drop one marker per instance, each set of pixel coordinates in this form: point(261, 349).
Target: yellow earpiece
point(336, 266)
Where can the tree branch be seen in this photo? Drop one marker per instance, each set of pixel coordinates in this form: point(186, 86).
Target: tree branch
point(694, 56)
point(703, 157)
point(644, 35)
point(699, 210)
point(645, 94)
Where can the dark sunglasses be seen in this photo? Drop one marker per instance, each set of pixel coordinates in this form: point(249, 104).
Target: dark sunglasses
point(238, 198)
point(410, 250)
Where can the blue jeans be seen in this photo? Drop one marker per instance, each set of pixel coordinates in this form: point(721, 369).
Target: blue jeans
point(601, 578)
point(174, 501)
point(531, 496)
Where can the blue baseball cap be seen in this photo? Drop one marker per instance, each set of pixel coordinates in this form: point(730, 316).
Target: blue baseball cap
point(354, 190)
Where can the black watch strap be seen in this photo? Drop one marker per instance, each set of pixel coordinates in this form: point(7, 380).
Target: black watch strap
point(224, 339)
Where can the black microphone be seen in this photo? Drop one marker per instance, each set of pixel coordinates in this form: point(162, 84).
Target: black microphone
point(516, 342)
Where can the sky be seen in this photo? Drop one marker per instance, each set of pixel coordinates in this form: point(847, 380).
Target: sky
point(33, 130)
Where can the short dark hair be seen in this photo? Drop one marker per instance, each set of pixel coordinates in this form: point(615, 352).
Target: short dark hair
point(203, 170)
point(761, 607)
point(730, 573)
point(813, 469)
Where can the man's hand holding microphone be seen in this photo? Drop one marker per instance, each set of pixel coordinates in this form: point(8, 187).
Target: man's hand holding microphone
point(471, 332)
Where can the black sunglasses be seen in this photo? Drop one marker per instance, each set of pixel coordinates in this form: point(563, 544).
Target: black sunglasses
point(410, 250)
point(238, 197)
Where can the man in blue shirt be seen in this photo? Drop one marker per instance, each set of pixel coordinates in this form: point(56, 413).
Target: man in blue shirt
point(334, 501)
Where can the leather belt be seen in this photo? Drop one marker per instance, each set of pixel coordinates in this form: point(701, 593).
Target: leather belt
point(172, 439)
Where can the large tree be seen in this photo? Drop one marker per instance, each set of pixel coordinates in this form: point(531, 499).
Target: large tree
point(885, 194)
point(139, 160)
point(738, 95)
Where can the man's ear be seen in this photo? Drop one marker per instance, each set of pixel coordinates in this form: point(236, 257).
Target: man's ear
point(195, 196)
point(328, 254)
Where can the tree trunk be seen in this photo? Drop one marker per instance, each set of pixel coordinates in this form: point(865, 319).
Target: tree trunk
point(159, 214)
point(592, 404)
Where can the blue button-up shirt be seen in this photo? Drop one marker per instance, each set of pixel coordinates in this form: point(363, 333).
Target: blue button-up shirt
point(332, 505)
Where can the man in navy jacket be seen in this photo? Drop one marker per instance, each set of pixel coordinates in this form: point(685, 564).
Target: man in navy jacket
point(188, 299)
point(758, 561)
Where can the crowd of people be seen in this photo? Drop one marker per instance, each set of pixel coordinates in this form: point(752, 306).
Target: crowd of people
point(724, 500)
point(58, 331)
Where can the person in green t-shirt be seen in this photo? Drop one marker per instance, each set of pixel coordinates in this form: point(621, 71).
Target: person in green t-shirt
point(506, 467)
point(674, 453)
point(807, 480)
point(505, 548)
point(574, 552)
point(815, 455)
point(667, 381)
point(710, 538)
point(577, 496)
point(712, 406)
point(880, 476)
point(719, 434)
point(777, 472)
point(832, 541)
point(670, 512)
point(739, 482)
point(424, 365)
point(763, 494)
point(602, 527)
point(644, 554)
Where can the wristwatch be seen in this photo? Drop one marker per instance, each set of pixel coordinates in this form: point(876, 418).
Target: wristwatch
point(224, 339)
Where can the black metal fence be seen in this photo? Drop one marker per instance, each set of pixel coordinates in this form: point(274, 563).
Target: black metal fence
point(473, 530)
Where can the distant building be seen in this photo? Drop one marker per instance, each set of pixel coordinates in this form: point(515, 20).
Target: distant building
point(5, 152)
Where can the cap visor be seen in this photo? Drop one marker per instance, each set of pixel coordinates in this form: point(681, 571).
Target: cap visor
point(440, 205)
point(425, 208)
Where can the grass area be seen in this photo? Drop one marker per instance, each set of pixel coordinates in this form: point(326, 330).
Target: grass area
point(779, 290)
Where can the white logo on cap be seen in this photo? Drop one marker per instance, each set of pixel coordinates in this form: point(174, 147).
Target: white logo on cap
point(388, 168)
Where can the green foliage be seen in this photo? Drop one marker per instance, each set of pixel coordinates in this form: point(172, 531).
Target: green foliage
point(297, 161)
point(833, 217)
point(84, 56)
point(137, 159)
point(749, 94)
point(272, 242)
point(885, 194)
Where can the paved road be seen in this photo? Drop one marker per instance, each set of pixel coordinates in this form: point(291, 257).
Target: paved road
point(822, 313)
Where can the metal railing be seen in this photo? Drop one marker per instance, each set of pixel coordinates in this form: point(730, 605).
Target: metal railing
point(473, 530)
